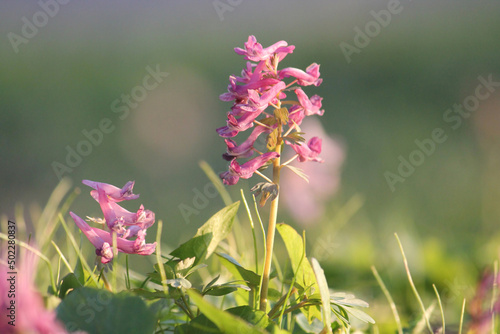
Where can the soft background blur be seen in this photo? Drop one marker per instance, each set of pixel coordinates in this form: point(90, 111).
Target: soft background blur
point(396, 90)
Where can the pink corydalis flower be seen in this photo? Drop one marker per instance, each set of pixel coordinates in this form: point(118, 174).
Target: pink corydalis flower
point(246, 170)
point(307, 78)
point(114, 193)
point(245, 149)
point(117, 217)
point(118, 220)
point(309, 151)
point(311, 106)
point(103, 241)
point(31, 315)
point(255, 52)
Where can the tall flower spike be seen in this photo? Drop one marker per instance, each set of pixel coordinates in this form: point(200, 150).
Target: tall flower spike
point(253, 93)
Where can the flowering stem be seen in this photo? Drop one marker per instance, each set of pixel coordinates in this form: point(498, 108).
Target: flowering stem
point(271, 229)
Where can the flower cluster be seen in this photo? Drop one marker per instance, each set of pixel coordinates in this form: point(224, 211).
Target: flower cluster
point(127, 225)
point(261, 86)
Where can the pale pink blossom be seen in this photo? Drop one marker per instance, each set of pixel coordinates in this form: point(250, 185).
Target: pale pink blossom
point(245, 149)
point(103, 240)
point(116, 194)
point(309, 77)
point(309, 151)
point(240, 92)
point(257, 104)
point(117, 217)
point(311, 106)
point(255, 52)
point(118, 220)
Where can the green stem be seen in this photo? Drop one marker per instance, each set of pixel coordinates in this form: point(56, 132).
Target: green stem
point(273, 214)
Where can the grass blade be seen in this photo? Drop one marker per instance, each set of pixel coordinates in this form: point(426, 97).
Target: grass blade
point(389, 299)
point(415, 291)
point(462, 318)
point(443, 329)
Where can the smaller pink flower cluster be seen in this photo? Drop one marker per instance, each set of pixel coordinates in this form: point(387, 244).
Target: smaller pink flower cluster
point(261, 85)
point(127, 225)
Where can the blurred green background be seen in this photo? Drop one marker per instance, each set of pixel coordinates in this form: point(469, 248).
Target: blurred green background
point(65, 78)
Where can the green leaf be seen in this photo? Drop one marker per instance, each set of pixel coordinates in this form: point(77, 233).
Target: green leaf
point(99, 311)
point(224, 289)
point(295, 248)
point(257, 318)
point(359, 314)
point(314, 327)
point(68, 283)
point(300, 173)
point(204, 243)
point(347, 299)
point(225, 321)
point(269, 121)
point(281, 115)
point(325, 294)
point(199, 325)
point(272, 139)
point(218, 290)
point(149, 294)
point(295, 137)
point(305, 274)
point(212, 282)
point(238, 271)
point(79, 271)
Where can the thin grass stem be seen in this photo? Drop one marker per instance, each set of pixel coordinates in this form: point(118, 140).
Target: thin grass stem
point(443, 329)
point(66, 263)
point(389, 299)
point(415, 291)
point(158, 257)
point(254, 236)
point(462, 318)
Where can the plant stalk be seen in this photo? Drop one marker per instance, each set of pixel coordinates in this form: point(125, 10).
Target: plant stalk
point(271, 229)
